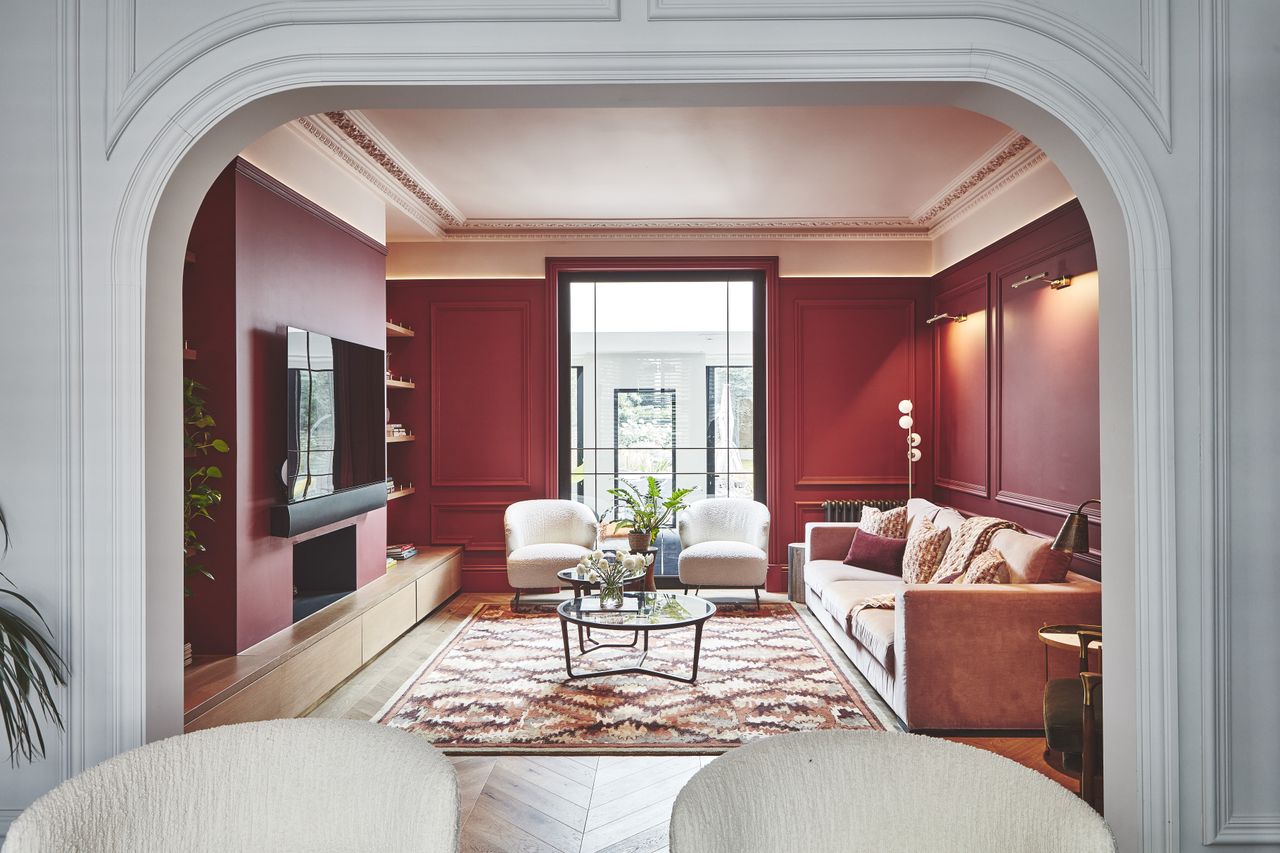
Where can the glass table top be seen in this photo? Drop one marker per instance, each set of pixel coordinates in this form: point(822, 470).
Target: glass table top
point(639, 610)
point(576, 575)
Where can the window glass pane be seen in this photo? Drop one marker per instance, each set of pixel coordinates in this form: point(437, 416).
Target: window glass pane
point(660, 385)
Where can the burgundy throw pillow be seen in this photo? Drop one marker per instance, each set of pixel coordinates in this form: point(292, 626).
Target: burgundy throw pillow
point(876, 553)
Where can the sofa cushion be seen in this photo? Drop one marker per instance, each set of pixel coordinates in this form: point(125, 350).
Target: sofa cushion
point(821, 574)
point(923, 554)
point(987, 567)
point(1030, 559)
point(874, 629)
point(950, 519)
point(891, 523)
point(840, 597)
point(877, 553)
point(919, 509)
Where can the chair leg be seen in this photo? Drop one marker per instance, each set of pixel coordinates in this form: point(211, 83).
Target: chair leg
point(757, 592)
point(515, 602)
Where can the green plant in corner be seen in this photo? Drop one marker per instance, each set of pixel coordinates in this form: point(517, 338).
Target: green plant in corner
point(644, 513)
point(28, 661)
point(201, 494)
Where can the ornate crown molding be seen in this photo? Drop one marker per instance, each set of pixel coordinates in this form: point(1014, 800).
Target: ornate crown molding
point(376, 147)
point(364, 148)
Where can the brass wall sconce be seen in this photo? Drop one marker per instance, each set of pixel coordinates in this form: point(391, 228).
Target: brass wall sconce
point(958, 318)
point(1054, 283)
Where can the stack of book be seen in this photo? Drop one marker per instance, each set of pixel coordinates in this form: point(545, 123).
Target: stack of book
point(396, 429)
point(401, 552)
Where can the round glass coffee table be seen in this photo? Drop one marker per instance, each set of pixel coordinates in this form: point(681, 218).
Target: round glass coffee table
point(582, 582)
point(641, 613)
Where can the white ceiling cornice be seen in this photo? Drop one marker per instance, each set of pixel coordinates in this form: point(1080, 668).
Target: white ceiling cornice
point(353, 141)
point(324, 136)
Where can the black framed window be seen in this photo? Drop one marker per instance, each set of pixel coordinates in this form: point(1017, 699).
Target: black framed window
point(662, 375)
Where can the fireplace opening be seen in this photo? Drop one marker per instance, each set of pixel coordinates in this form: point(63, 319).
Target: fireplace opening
point(324, 570)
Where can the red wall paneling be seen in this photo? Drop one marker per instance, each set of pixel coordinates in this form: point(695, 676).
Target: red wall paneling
point(481, 410)
point(1040, 421)
point(847, 351)
point(961, 388)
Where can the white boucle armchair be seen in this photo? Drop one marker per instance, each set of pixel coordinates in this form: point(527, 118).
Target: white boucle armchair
point(724, 543)
point(544, 537)
point(282, 785)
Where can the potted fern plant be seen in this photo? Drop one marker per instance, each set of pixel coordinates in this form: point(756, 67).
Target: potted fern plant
point(644, 513)
point(28, 662)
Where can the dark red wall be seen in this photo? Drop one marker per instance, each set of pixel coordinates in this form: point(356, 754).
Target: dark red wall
point(1017, 414)
point(482, 361)
point(292, 264)
point(844, 352)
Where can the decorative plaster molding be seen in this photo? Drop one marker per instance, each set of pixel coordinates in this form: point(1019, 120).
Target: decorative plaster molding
point(129, 88)
point(984, 167)
point(337, 147)
point(1222, 823)
point(225, 86)
point(1009, 160)
point(1145, 78)
point(376, 149)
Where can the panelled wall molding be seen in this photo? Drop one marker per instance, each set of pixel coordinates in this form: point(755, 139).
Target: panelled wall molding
point(1233, 606)
point(129, 87)
point(208, 94)
point(1144, 74)
point(1034, 402)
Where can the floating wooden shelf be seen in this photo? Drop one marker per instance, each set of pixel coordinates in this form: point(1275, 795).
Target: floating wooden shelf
point(400, 493)
point(188, 355)
point(400, 383)
point(393, 439)
point(395, 331)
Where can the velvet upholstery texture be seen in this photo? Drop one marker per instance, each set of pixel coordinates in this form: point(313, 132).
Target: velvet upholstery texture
point(948, 656)
point(881, 791)
point(724, 542)
point(545, 536)
point(281, 785)
point(877, 553)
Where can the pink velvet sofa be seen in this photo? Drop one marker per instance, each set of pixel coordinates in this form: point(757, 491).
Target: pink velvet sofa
point(947, 657)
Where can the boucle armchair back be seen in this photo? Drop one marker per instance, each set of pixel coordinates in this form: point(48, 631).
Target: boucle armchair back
point(725, 520)
point(283, 785)
point(549, 522)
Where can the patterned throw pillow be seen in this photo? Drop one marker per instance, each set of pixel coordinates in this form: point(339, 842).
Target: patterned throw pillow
point(891, 524)
point(925, 547)
point(987, 567)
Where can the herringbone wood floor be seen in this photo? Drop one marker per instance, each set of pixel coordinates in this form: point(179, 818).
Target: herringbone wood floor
point(574, 804)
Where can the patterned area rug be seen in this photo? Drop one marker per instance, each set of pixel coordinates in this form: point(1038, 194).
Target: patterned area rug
point(499, 685)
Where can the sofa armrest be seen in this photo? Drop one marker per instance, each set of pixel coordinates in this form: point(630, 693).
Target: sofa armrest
point(828, 540)
point(970, 656)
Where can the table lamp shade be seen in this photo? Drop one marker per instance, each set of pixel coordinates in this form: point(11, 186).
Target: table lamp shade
point(1074, 535)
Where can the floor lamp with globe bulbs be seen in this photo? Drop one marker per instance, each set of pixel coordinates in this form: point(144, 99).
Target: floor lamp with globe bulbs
point(913, 440)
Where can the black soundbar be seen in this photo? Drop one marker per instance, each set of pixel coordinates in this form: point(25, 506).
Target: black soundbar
point(295, 518)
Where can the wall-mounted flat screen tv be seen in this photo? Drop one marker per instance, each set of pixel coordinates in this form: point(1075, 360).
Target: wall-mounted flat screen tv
point(335, 416)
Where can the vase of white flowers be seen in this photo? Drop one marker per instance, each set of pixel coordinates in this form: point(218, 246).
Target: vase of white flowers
point(612, 575)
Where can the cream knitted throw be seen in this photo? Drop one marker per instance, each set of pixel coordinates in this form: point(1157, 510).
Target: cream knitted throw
point(971, 539)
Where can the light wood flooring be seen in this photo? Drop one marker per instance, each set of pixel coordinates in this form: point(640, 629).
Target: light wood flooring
point(572, 804)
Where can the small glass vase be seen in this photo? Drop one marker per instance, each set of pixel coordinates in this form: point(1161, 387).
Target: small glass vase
point(611, 595)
